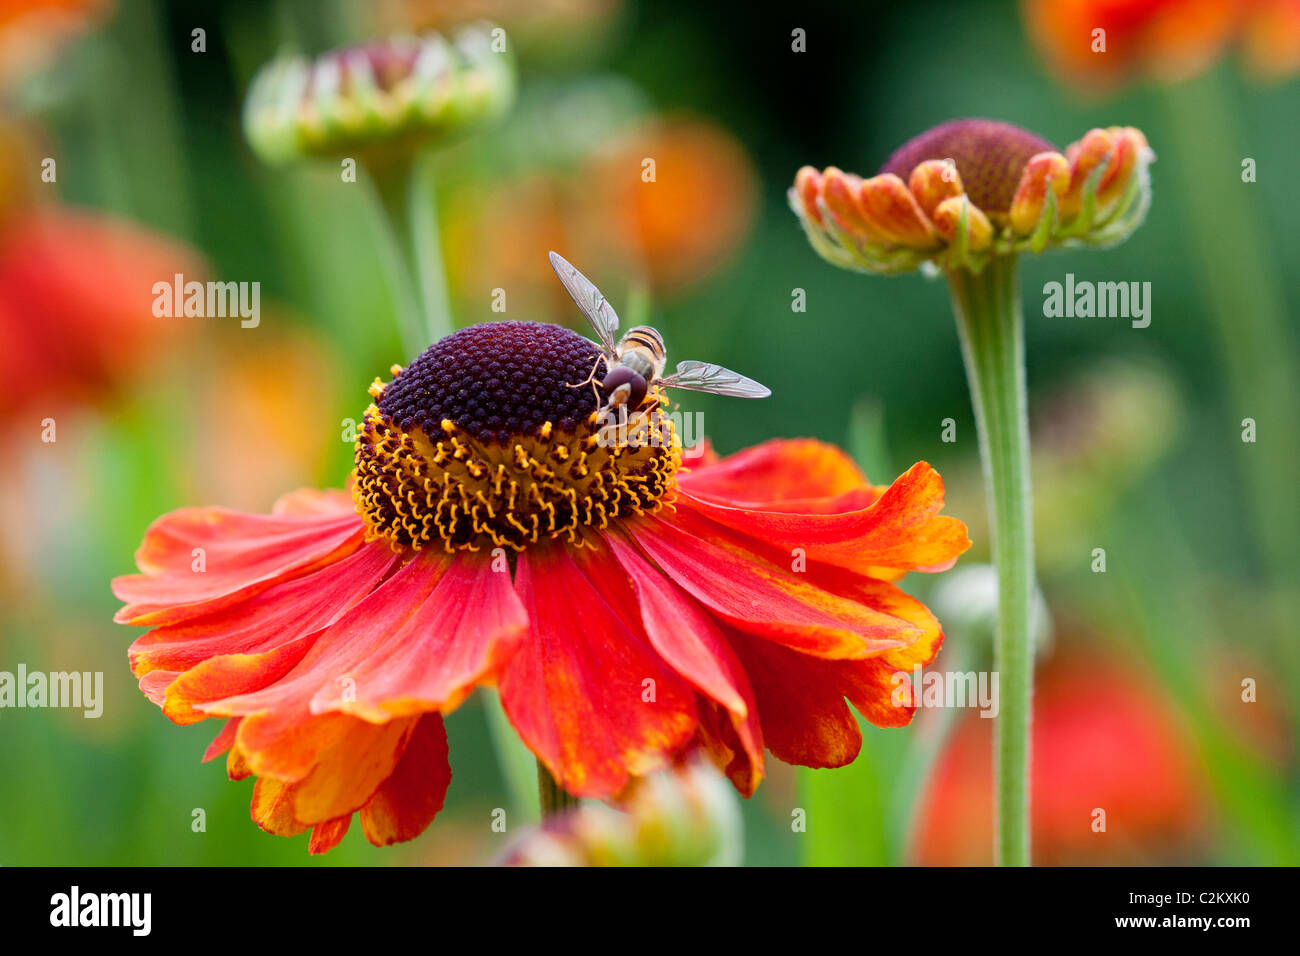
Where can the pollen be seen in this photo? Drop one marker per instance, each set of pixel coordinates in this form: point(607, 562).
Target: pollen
point(494, 437)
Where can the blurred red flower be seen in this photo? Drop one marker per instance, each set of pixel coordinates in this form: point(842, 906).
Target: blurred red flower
point(1104, 739)
point(1163, 39)
point(76, 305)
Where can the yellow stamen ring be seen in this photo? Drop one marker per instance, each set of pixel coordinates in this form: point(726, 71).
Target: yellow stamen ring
point(452, 489)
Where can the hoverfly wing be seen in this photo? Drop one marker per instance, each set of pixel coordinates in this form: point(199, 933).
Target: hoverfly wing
point(707, 377)
point(589, 299)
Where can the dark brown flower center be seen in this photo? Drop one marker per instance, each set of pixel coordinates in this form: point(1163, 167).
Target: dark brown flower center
point(484, 441)
point(990, 157)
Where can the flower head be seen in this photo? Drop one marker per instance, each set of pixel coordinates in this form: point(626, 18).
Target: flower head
point(632, 602)
point(383, 96)
point(971, 189)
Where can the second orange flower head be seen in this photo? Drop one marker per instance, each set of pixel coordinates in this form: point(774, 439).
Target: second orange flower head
point(971, 189)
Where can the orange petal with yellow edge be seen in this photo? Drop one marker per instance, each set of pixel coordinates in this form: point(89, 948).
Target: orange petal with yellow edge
point(839, 190)
point(892, 212)
point(808, 187)
point(1084, 156)
point(947, 220)
point(932, 182)
point(1045, 171)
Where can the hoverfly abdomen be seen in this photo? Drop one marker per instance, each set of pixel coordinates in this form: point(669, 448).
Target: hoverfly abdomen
point(642, 350)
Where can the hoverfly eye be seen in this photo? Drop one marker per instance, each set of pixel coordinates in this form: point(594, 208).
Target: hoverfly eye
point(625, 376)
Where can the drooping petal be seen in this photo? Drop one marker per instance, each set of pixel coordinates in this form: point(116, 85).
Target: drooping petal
point(762, 598)
point(801, 701)
point(223, 741)
point(577, 689)
point(198, 560)
point(805, 719)
point(272, 808)
point(693, 645)
point(406, 803)
point(326, 836)
point(334, 763)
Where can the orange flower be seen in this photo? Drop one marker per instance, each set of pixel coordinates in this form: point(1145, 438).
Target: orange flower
point(76, 302)
point(631, 602)
point(33, 31)
point(1165, 39)
point(674, 229)
point(1102, 741)
point(971, 189)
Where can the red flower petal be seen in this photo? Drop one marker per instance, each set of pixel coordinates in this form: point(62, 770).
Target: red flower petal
point(780, 470)
point(345, 649)
point(243, 554)
point(326, 836)
point(223, 741)
point(461, 635)
point(762, 598)
point(278, 615)
point(686, 637)
point(805, 720)
point(902, 529)
point(574, 690)
point(406, 803)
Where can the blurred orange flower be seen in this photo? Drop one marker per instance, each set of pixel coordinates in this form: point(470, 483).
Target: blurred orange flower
point(1104, 739)
point(1164, 39)
point(31, 31)
point(672, 222)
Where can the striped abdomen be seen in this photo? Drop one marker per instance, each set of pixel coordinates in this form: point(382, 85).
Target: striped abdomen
point(642, 351)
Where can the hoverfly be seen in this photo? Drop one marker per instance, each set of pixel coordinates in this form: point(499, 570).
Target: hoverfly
point(636, 362)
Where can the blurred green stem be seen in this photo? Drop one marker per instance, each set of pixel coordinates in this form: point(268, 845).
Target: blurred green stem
point(515, 759)
point(554, 799)
point(1241, 282)
point(1239, 276)
point(415, 264)
point(991, 327)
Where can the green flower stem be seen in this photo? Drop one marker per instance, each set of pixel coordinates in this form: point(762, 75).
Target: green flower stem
point(991, 327)
point(553, 798)
point(414, 252)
